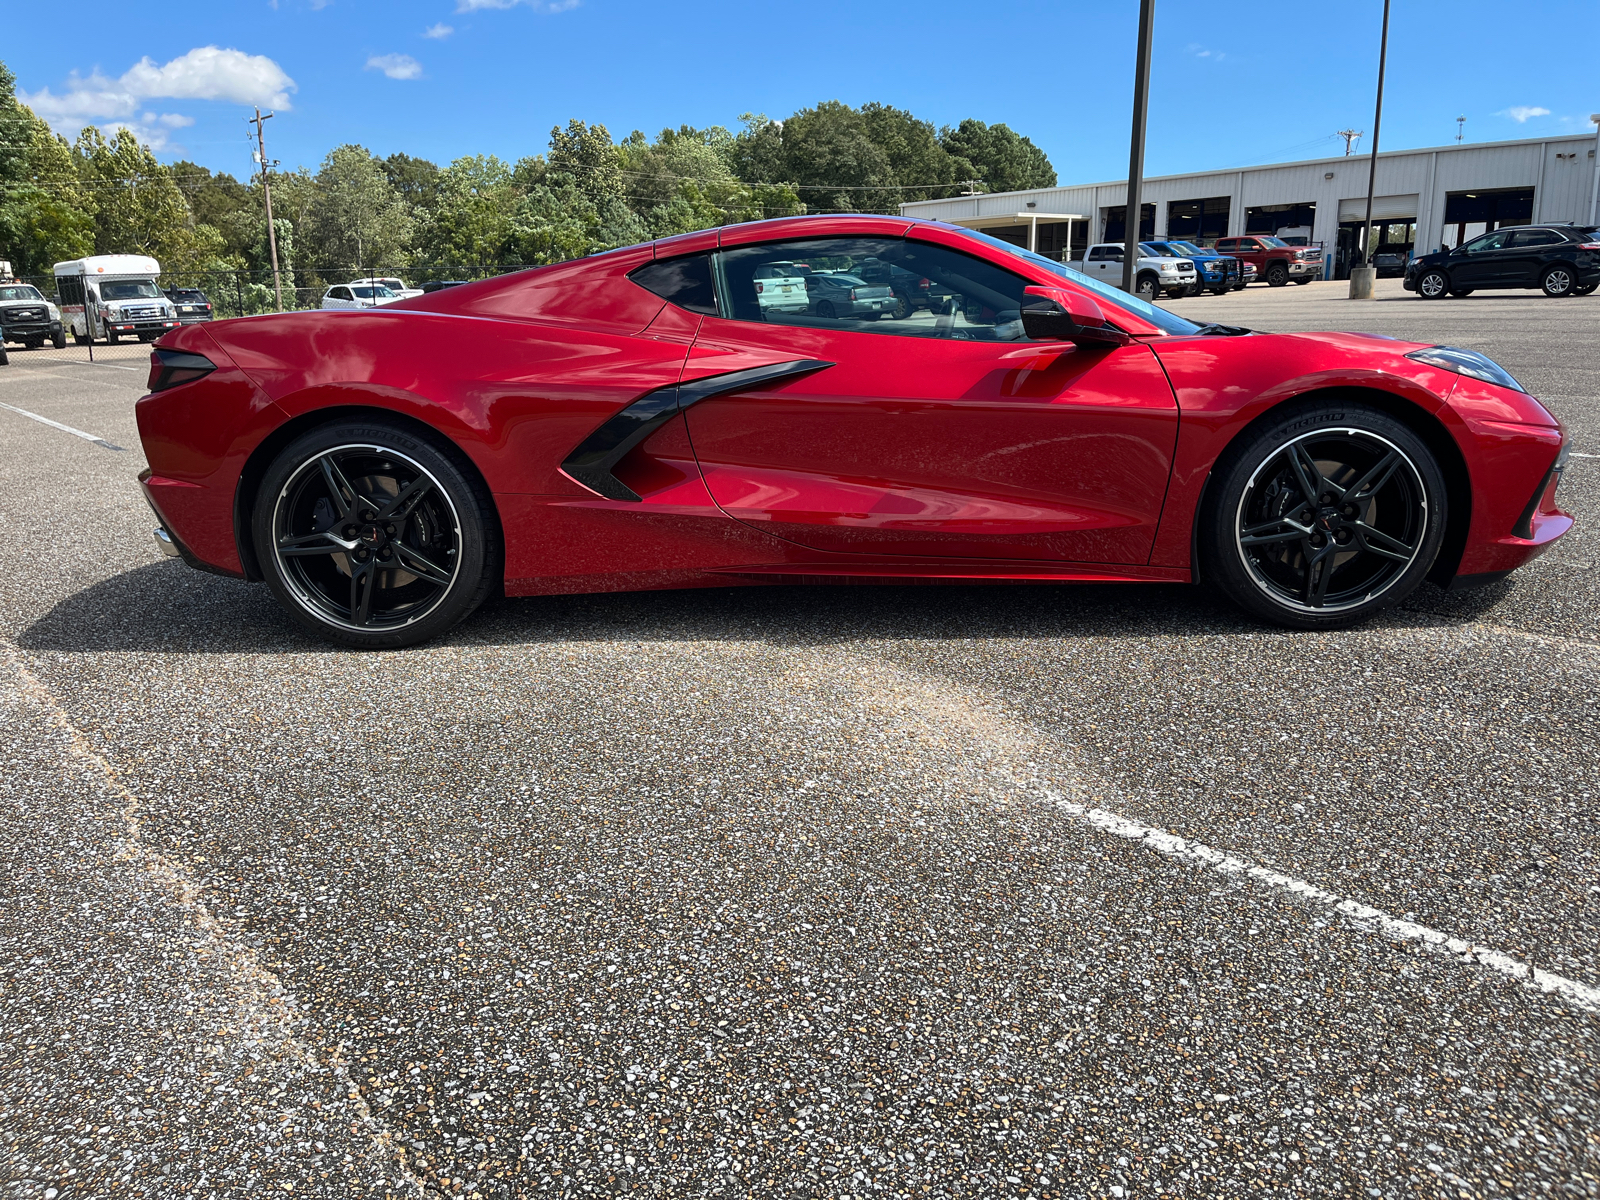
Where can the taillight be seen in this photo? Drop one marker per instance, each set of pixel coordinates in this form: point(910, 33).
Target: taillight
point(169, 368)
point(923, 284)
point(852, 293)
point(1590, 246)
point(758, 287)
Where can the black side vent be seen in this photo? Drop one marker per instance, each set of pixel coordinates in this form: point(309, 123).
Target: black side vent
point(169, 368)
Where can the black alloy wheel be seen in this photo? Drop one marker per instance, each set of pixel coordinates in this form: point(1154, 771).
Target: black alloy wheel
point(374, 537)
point(1558, 281)
point(826, 311)
point(1324, 516)
point(1277, 275)
point(1433, 285)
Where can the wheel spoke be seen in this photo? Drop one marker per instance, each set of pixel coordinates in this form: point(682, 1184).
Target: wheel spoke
point(344, 496)
point(1375, 478)
point(1306, 474)
point(1318, 572)
point(361, 587)
point(1269, 533)
point(400, 507)
point(1381, 543)
point(312, 544)
point(420, 565)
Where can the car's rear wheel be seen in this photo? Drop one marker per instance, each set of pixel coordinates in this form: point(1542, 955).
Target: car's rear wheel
point(1324, 516)
point(1433, 285)
point(1558, 281)
point(1462, 293)
point(826, 311)
point(374, 537)
point(1585, 290)
point(1277, 275)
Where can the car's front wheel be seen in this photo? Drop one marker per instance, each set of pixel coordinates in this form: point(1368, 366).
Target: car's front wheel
point(58, 339)
point(1145, 287)
point(1433, 285)
point(1323, 516)
point(1277, 275)
point(372, 536)
point(1558, 281)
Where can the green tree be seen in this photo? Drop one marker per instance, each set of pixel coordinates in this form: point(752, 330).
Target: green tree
point(416, 179)
point(46, 216)
point(1002, 159)
point(471, 218)
point(357, 218)
point(138, 209)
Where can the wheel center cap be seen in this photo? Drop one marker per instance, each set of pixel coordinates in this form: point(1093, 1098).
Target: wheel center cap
point(371, 535)
point(1328, 519)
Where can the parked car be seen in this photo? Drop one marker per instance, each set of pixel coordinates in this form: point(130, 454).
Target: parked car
point(781, 286)
point(1391, 264)
point(396, 286)
point(912, 292)
point(192, 304)
point(358, 295)
point(388, 489)
point(28, 318)
point(1214, 273)
point(1275, 261)
point(834, 295)
point(1164, 273)
point(1559, 260)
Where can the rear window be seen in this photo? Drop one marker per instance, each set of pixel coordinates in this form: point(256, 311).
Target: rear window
point(685, 282)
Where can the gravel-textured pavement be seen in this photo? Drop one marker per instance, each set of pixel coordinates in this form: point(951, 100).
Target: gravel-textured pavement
point(793, 892)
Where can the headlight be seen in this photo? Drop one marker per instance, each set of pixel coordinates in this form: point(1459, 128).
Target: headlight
point(1469, 363)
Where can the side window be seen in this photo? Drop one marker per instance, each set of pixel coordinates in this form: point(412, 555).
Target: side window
point(341, 293)
point(1096, 254)
point(685, 282)
point(1489, 241)
point(1227, 245)
point(872, 285)
point(1535, 237)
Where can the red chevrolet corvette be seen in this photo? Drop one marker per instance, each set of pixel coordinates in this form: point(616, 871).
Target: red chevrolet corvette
point(827, 398)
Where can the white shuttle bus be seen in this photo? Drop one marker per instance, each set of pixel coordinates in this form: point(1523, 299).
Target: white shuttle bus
point(110, 296)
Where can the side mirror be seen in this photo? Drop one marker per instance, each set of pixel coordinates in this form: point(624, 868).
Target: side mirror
point(1051, 314)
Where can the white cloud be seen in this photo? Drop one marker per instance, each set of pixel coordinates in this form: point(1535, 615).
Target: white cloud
point(1521, 112)
point(438, 31)
point(1199, 51)
point(395, 66)
point(541, 6)
point(205, 73)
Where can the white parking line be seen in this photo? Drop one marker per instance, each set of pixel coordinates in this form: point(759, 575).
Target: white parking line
point(88, 437)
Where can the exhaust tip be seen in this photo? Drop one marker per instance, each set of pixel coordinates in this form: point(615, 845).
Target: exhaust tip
point(169, 547)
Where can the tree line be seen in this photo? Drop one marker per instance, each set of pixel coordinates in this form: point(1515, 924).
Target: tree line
point(358, 212)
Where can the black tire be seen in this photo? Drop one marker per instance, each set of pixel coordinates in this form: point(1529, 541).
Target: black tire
point(902, 309)
point(1585, 290)
point(4, 357)
point(1277, 275)
point(34, 343)
point(1266, 547)
point(1462, 293)
point(1221, 291)
point(1145, 286)
point(1433, 284)
point(111, 337)
point(79, 339)
point(329, 496)
point(1303, 280)
point(825, 310)
point(58, 339)
point(1558, 281)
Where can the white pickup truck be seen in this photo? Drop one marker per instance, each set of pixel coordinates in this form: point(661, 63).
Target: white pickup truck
point(1155, 272)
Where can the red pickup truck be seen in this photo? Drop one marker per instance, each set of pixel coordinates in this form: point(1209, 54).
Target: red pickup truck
point(1275, 260)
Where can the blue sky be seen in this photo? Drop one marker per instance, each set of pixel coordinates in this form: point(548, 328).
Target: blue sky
point(1231, 85)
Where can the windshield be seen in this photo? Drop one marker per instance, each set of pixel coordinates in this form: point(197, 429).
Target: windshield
point(1167, 249)
point(1189, 248)
point(1159, 317)
point(20, 292)
point(1275, 243)
point(129, 289)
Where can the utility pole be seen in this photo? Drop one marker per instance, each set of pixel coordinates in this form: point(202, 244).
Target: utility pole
point(1461, 128)
point(1594, 188)
point(266, 190)
point(974, 188)
point(1141, 104)
point(1349, 136)
point(1362, 277)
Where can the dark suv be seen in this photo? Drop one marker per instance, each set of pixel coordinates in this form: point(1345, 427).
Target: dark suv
point(192, 305)
point(1560, 260)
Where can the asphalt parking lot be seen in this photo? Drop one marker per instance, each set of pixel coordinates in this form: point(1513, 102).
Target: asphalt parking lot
point(795, 892)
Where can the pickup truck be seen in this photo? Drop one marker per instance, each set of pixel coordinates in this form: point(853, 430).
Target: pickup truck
point(1215, 273)
point(1275, 260)
point(1155, 272)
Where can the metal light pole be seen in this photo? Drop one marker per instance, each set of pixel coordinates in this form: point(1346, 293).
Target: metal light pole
point(1363, 277)
point(1141, 103)
point(1594, 188)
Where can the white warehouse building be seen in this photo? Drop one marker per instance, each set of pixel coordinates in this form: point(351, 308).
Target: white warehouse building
point(1424, 199)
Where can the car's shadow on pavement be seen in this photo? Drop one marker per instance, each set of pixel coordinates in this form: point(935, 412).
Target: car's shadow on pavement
point(168, 608)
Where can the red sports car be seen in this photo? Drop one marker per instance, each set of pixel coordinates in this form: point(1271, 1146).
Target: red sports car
point(827, 398)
